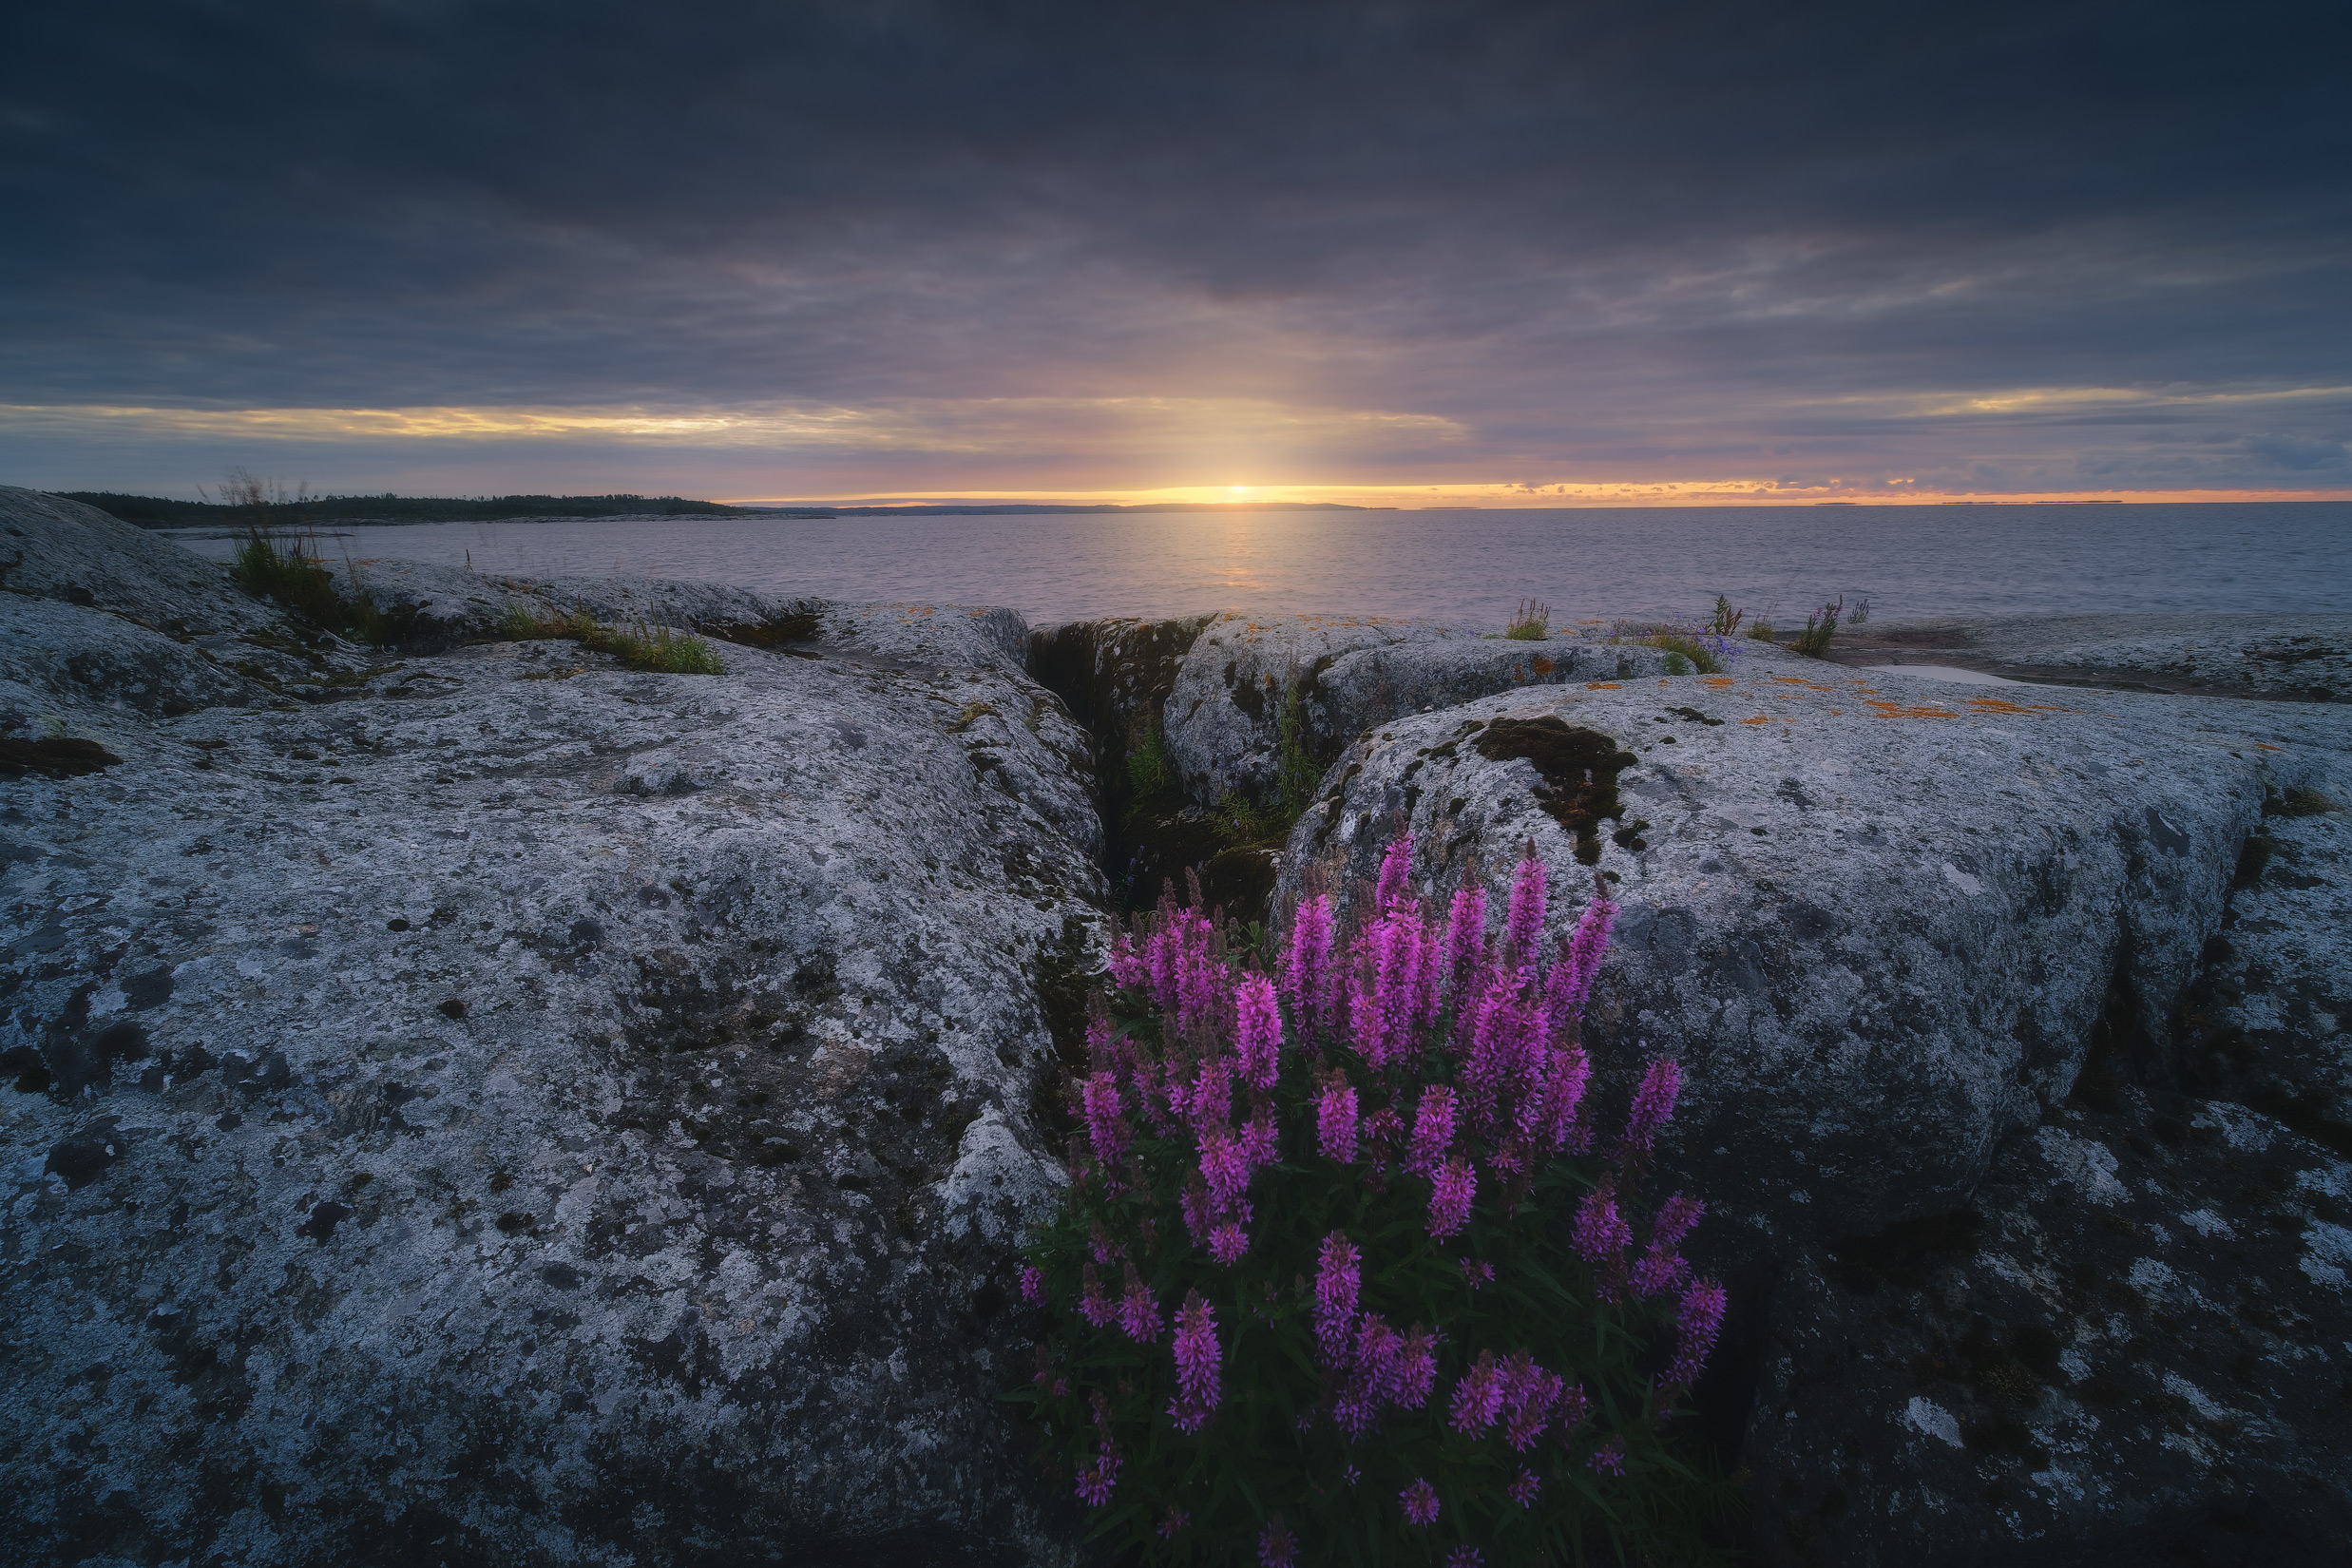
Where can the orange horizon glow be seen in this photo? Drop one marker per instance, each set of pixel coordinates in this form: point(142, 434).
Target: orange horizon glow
point(1497, 497)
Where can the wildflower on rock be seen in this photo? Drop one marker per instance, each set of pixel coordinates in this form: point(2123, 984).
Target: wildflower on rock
point(1478, 1397)
point(1600, 1230)
point(1524, 1490)
point(1106, 1129)
point(1609, 1458)
point(1421, 1503)
point(1335, 1121)
point(1396, 875)
point(1522, 927)
point(1033, 1284)
point(1653, 1104)
point(1258, 1030)
point(1197, 1359)
point(1227, 1243)
point(1337, 1280)
point(1310, 970)
point(1276, 1546)
point(1433, 1130)
point(1091, 1306)
point(1139, 1314)
point(1449, 1200)
point(1570, 983)
point(1701, 1320)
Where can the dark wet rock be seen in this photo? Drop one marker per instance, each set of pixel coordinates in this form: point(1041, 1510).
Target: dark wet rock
point(1881, 929)
point(2128, 1349)
point(531, 1111)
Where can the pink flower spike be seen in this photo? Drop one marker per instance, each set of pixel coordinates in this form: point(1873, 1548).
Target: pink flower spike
point(1258, 1030)
point(1415, 1376)
point(1395, 886)
point(1600, 1230)
point(1522, 927)
point(1421, 1503)
point(1653, 1104)
point(1465, 1556)
point(1477, 1273)
point(1139, 1314)
point(1097, 1481)
point(1524, 1490)
point(1033, 1284)
point(1175, 1519)
point(1197, 1361)
point(1335, 1121)
point(1309, 970)
point(1337, 1280)
point(1106, 1129)
point(1700, 1319)
point(1449, 1200)
point(1276, 1546)
point(1478, 1398)
point(1091, 1306)
point(1571, 981)
point(1466, 938)
point(1609, 1458)
point(1227, 1243)
point(1433, 1130)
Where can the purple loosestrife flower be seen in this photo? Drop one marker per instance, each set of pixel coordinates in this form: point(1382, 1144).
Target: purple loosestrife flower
point(1660, 1269)
point(1223, 1167)
point(1571, 981)
point(1677, 1217)
point(1309, 968)
point(1212, 1104)
point(1465, 1556)
point(1258, 1030)
point(1261, 1141)
point(1090, 1303)
point(1338, 1279)
point(1227, 1243)
point(1127, 966)
point(1335, 1121)
point(1565, 1075)
point(1175, 1519)
point(1106, 1129)
point(1097, 1481)
point(1433, 1130)
point(1478, 1398)
point(1653, 1104)
point(1421, 1503)
point(1194, 1201)
point(1449, 1200)
point(1701, 1320)
point(1600, 1231)
point(1574, 1406)
point(1395, 886)
point(1415, 1375)
point(1196, 1362)
point(1529, 1394)
point(1524, 1490)
point(1139, 1314)
point(1609, 1458)
point(1465, 939)
point(1276, 1546)
point(1523, 925)
point(1033, 1284)
point(1476, 1273)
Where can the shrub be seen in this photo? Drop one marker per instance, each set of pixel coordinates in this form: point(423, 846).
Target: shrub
point(1345, 1272)
point(1530, 623)
point(1820, 627)
point(642, 648)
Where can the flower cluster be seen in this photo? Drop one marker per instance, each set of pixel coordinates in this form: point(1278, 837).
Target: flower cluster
point(1346, 1210)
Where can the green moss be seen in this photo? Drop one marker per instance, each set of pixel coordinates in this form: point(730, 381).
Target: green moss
point(1696, 654)
point(641, 647)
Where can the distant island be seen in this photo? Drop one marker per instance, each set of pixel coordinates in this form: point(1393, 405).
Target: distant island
point(156, 511)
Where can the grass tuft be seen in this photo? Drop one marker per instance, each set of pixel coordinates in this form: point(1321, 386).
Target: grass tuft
point(1530, 623)
point(643, 646)
point(1820, 627)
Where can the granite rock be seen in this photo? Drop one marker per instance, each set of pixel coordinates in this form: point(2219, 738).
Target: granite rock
point(2304, 656)
point(1880, 928)
point(530, 1111)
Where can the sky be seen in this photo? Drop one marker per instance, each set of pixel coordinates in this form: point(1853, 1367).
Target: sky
point(1385, 251)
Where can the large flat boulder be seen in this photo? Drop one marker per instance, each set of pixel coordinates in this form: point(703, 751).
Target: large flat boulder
point(2303, 657)
point(1880, 924)
point(532, 1111)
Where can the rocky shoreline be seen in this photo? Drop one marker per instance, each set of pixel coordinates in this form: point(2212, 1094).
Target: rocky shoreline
point(469, 1101)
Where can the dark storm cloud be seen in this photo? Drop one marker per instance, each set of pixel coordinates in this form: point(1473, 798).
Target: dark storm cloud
point(1589, 234)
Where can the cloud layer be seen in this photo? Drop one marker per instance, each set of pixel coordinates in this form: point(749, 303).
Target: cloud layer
point(933, 247)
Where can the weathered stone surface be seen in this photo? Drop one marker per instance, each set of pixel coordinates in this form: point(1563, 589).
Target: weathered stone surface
point(2269, 1024)
point(533, 1112)
point(2304, 656)
point(2129, 1349)
point(54, 548)
point(51, 650)
point(1877, 928)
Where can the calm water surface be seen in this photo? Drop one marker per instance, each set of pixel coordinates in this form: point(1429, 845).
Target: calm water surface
point(1468, 567)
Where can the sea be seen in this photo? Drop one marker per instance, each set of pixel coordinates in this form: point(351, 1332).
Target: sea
point(1457, 567)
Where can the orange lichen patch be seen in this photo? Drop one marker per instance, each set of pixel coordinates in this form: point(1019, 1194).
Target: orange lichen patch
point(2260, 747)
point(1716, 680)
point(1600, 685)
point(2003, 705)
point(1544, 665)
point(1911, 710)
point(1800, 680)
point(1760, 719)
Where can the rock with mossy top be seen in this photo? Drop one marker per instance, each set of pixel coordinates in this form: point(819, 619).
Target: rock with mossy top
point(1880, 927)
point(529, 1110)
